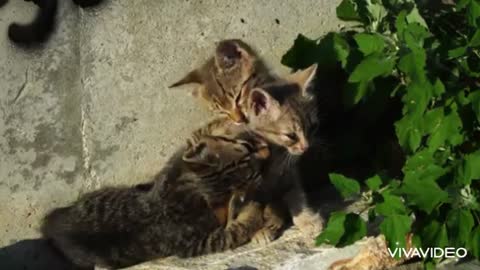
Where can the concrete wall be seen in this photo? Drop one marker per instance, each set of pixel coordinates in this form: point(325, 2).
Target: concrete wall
point(92, 107)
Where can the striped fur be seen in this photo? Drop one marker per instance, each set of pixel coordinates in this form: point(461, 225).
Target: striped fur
point(173, 214)
point(221, 79)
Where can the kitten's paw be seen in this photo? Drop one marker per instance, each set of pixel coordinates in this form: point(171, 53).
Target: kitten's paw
point(252, 213)
point(263, 237)
point(309, 223)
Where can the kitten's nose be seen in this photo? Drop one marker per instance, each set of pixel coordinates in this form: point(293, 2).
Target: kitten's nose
point(300, 147)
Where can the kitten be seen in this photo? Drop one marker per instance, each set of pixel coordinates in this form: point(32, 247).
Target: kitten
point(284, 113)
point(234, 65)
point(176, 214)
point(280, 110)
point(42, 26)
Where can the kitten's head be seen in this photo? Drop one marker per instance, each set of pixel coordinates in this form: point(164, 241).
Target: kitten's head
point(221, 79)
point(283, 112)
point(221, 152)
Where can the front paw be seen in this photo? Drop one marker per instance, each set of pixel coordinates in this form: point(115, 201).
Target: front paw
point(309, 223)
point(263, 237)
point(252, 213)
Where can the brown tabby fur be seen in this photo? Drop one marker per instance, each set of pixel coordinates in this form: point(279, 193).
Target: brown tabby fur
point(220, 80)
point(179, 212)
point(280, 110)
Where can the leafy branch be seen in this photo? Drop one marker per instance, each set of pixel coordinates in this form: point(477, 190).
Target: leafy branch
point(426, 58)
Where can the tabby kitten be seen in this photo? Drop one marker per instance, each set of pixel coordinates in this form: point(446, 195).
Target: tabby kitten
point(283, 112)
point(234, 65)
point(43, 24)
point(174, 214)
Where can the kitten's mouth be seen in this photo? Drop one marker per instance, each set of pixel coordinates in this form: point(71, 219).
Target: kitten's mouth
point(297, 150)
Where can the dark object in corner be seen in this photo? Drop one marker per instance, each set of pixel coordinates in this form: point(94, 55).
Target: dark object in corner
point(3, 2)
point(39, 29)
point(43, 25)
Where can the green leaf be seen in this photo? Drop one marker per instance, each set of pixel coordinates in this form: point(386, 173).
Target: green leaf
point(474, 242)
point(438, 88)
point(346, 186)
point(374, 182)
point(355, 229)
point(341, 49)
point(434, 234)
point(446, 131)
point(401, 22)
point(418, 161)
point(433, 119)
point(391, 205)
point(342, 229)
point(376, 13)
point(475, 40)
point(395, 228)
point(415, 17)
point(473, 13)
point(414, 36)
point(413, 64)
point(475, 101)
point(372, 66)
point(334, 231)
point(347, 11)
point(459, 223)
point(409, 133)
point(468, 169)
point(457, 52)
point(419, 184)
point(423, 193)
point(369, 43)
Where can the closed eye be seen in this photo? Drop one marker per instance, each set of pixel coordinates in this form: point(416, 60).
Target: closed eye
point(292, 136)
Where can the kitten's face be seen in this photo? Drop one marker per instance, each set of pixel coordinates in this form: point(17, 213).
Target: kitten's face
point(221, 79)
point(282, 112)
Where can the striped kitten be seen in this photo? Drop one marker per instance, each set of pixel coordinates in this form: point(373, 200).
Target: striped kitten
point(280, 110)
point(234, 65)
point(178, 213)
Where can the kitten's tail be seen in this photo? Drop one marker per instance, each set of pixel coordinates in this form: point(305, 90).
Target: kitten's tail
point(39, 29)
point(61, 234)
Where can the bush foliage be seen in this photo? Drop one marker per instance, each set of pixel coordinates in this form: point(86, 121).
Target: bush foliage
point(426, 55)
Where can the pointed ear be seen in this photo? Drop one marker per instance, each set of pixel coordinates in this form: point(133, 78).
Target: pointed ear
point(198, 154)
point(262, 103)
point(192, 77)
point(303, 78)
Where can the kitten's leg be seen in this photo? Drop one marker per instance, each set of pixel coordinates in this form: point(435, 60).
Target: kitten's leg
point(275, 220)
point(237, 233)
point(309, 221)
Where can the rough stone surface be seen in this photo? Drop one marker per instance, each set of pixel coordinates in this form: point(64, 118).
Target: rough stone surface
point(92, 108)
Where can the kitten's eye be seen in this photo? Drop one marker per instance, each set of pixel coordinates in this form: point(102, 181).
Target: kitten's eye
point(292, 136)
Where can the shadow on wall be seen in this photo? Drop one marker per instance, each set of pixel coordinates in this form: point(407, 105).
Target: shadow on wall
point(33, 254)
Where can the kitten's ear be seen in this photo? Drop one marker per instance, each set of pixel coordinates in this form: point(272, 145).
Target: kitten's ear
point(303, 78)
point(198, 154)
point(262, 103)
point(192, 77)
